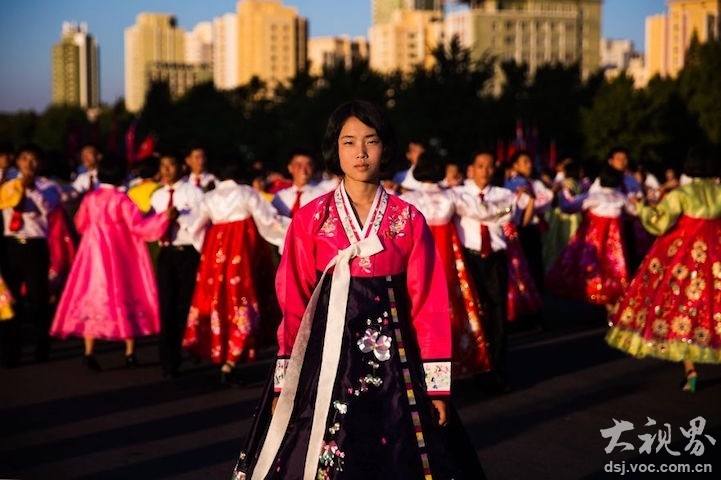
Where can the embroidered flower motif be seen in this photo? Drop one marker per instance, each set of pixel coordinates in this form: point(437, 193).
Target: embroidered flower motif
point(701, 336)
point(695, 288)
point(331, 455)
point(699, 251)
point(680, 271)
point(397, 224)
point(365, 264)
point(655, 266)
point(215, 322)
point(673, 248)
point(716, 269)
point(328, 227)
point(627, 316)
point(340, 407)
point(660, 328)
point(641, 318)
point(681, 325)
point(374, 342)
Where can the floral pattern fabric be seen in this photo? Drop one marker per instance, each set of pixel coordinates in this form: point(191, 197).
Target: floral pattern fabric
point(672, 309)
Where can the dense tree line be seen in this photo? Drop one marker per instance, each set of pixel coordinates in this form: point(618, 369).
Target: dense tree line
point(453, 105)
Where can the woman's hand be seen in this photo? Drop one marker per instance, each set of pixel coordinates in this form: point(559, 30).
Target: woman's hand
point(440, 407)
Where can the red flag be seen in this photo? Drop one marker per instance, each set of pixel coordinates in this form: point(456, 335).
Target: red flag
point(552, 154)
point(146, 148)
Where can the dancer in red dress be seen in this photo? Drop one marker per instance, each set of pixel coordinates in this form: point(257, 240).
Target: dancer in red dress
point(672, 309)
point(224, 315)
point(593, 266)
point(438, 206)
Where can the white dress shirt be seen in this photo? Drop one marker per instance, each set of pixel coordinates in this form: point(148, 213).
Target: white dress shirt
point(406, 179)
point(36, 206)
point(187, 199)
point(496, 209)
point(81, 184)
point(284, 199)
point(232, 202)
point(205, 179)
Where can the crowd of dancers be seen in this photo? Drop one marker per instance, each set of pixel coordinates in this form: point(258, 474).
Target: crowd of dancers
point(167, 248)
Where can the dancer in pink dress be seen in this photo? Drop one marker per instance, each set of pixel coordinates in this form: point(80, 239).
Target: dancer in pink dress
point(111, 292)
point(364, 362)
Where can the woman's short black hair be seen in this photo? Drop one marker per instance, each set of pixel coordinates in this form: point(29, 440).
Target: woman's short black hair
point(430, 167)
point(517, 155)
point(112, 170)
point(148, 167)
point(702, 161)
point(368, 113)
point(610, 177)
point(174, 156)
point(32, 149)
point(233, 169)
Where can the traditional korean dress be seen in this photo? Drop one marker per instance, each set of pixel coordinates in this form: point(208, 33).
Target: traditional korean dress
point(111, 292)
point(561, 225)
point(63, 245)
point(593, 266)
point(438, 206)
point(234, 270)
point(672, 309)
point(523, 295)
point(371, 349)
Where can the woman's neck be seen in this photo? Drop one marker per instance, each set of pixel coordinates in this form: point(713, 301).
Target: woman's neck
point(360, 193)
point(361, 196)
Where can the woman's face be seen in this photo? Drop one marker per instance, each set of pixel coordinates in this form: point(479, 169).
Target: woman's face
point(169, 171)
point(524, 166)
point(27, 164)
point(360, 150)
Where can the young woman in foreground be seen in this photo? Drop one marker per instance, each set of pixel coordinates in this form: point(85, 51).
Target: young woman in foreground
point(363, 374)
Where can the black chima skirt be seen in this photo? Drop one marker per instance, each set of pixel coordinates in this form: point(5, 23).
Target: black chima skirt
point(380, 424)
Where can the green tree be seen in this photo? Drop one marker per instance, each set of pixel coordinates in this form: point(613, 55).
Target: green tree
point(700, 86)
point(613, 118)
point(446, 103)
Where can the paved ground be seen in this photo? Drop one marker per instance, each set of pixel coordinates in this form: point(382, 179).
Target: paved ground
point(59, 421)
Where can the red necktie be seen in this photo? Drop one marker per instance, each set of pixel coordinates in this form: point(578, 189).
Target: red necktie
point(165, 239)
point(486, 249)
point(197, 181)
point(296, 205)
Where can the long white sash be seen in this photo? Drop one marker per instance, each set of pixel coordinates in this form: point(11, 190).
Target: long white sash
point(329, 363)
